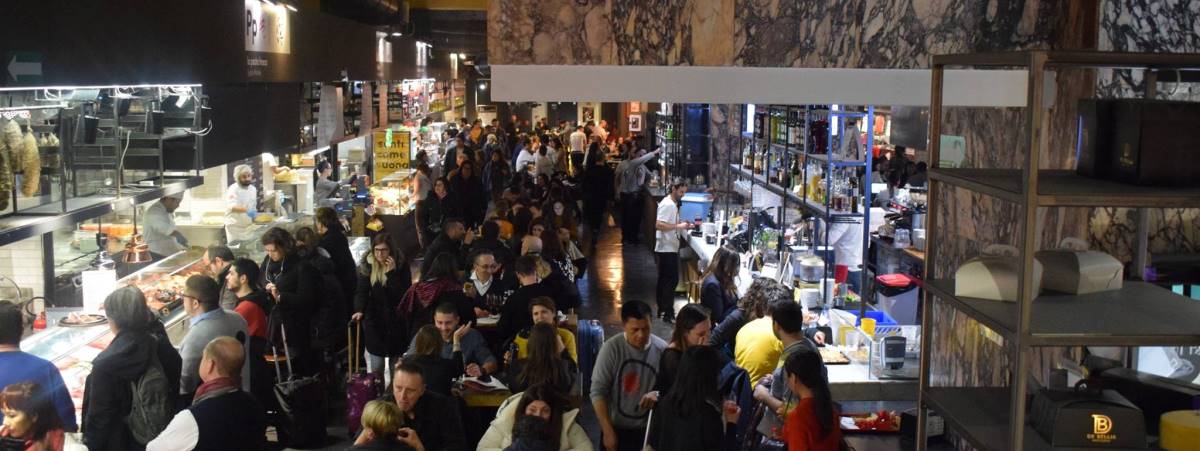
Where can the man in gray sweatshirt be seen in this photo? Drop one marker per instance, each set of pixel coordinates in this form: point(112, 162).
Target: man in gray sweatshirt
point(207, 320)
point(623, 380)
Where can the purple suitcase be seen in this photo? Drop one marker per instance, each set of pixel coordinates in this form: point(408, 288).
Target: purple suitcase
point(361, 387)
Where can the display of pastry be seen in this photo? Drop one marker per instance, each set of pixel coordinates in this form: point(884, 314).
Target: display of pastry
point(833, 357)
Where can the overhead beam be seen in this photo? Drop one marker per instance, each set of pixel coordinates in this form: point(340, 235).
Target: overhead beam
point(771, 85)
point(445, 5)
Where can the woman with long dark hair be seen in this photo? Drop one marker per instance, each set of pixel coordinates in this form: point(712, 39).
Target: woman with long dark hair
point(812, 423)
point(692, 415)
point(718, 291)
point(545, 362)
point(438, 373)
point(537, 420)
point(692, 328)
point(434, 209)
point(383, 278)
point(29, 417)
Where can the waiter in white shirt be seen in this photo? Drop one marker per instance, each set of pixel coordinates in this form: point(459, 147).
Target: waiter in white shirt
point(241, 203)
point(578, 141)
point(668, 232)
point(159, 226)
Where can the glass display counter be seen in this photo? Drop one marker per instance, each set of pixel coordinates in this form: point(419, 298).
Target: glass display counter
point(72, 348)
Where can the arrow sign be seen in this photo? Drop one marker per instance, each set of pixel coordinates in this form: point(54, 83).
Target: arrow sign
point(25, 67)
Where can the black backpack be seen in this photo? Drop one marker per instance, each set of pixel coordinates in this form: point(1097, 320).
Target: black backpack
point(150, 409)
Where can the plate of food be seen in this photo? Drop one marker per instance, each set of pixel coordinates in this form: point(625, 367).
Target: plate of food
point(832, 356)
point(82, 320)
point(881, 422)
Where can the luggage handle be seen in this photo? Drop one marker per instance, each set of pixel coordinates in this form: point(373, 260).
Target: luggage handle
point(287, 354)
point(354, 357)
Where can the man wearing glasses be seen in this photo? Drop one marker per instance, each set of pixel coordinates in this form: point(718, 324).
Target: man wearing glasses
point(484, 285)
point(207, 320)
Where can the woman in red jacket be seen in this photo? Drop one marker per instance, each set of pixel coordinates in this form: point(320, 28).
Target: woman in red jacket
point(812, 424)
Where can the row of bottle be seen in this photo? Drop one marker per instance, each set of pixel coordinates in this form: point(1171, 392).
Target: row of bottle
point(786, 129)
point(843, 192)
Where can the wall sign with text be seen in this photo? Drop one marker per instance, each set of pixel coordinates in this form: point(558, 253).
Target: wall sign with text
point(266, 28)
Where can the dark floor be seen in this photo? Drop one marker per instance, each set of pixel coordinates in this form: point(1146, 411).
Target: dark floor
point(617, 273)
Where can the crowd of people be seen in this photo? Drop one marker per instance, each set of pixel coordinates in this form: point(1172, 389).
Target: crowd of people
point(504, 243)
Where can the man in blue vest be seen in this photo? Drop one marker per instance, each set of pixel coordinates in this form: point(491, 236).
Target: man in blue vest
point(222, 416)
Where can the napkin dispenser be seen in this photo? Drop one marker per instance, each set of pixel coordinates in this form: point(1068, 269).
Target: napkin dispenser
point(995, 275)
point(1087, 419)
point(1073, 269)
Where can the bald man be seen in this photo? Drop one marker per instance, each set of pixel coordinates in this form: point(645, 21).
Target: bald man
point(222, 416)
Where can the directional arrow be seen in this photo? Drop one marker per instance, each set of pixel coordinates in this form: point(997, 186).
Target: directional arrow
point(19, 68)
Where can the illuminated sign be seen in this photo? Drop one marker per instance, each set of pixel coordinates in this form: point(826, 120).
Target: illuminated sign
point(1102, 427)
point(267, 28)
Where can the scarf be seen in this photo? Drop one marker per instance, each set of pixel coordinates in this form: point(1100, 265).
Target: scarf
point(425, 293)
point(217, 387)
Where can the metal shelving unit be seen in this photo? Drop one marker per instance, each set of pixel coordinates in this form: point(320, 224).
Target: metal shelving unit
point(1139, 314)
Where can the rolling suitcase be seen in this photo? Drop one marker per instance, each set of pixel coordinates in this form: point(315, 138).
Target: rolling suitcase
point(361, 386)
point(300, 418)
point(589, 339)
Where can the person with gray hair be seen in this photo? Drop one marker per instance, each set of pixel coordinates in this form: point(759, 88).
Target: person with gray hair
point(241, 203)
point(140, 345)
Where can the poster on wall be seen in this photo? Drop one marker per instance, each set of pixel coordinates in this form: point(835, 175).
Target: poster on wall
point(954, 149)
point(391, 152)
point(635, 122)
point(635, 107)
point(588, 115)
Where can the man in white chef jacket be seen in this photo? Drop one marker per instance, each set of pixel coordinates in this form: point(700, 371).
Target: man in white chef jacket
point(847, 242)
point(159, 226)
point(241, 203)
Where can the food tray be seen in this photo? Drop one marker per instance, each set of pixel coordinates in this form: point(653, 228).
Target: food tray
point(847, 422)
point(90, 319)
point(831, 356)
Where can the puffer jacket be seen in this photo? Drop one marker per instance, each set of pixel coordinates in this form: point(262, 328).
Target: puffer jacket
point(499, 434)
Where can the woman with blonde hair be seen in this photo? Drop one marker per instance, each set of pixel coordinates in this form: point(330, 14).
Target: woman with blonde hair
point(381, 421)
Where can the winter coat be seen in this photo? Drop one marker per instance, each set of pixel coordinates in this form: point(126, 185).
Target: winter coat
point(383, 331)
point(108, 396)
point(499, 434)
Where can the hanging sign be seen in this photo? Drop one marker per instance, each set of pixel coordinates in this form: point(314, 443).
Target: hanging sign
point(391, 152)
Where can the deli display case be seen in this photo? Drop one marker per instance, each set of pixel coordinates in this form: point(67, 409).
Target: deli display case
point(73, 347)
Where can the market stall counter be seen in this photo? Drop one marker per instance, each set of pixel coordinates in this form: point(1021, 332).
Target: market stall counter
point(848, 382)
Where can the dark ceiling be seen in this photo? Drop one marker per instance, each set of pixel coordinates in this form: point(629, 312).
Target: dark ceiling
point(449, 25)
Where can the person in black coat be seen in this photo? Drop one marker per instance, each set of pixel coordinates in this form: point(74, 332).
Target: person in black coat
point(334, 242)
point(455, 240)
point(692, 415)
point(108, 396)
point(491, 243)
point(468, 191)
point(332, 309)
point(383, 278)
point(514, 315)
point(600, 190)
point(296, 287)
point(433, 211)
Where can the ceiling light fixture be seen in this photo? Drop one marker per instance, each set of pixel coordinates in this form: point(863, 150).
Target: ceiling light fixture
point(397, 34)
point(483, 86)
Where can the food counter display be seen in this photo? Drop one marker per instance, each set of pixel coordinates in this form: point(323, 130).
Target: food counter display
point(394, 195)
point(72, 344)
